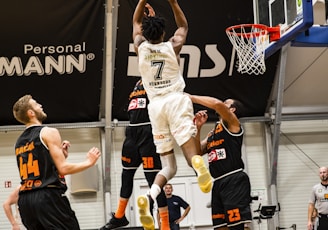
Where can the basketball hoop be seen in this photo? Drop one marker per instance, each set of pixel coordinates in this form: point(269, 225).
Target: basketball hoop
point(250, 42)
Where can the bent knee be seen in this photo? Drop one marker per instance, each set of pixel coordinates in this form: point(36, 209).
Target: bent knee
point(169, 171)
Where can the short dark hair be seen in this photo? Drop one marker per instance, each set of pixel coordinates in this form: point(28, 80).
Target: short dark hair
point(153, 28)
point(240, 108)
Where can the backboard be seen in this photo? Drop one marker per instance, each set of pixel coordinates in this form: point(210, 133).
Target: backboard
point(293, 16)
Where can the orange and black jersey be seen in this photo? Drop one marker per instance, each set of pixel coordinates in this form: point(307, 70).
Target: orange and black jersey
point(36, 167)
point(224, 150)
point(138, 102)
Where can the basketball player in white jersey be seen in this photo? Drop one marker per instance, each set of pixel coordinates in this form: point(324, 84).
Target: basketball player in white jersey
point(170, 111)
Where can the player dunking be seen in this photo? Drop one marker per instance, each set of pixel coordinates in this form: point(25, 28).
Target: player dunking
point(170, 111)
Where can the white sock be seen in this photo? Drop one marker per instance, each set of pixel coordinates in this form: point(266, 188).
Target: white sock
point(155, 190)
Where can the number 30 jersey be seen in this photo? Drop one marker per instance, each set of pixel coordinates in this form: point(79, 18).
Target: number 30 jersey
point(36, 167)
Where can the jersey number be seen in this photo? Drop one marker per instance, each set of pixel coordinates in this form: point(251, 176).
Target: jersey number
point(160, 66)
point(32, 166)
point(234, 215)
point(148, 162)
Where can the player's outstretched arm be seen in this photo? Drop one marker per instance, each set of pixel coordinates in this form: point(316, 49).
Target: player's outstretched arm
point(219, 107)
point(180, 34)
point(52, 140)
point(137, 24)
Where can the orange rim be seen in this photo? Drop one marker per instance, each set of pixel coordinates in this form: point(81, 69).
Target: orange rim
point(263, 30)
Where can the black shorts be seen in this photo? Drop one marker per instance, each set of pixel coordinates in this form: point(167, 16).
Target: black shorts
point(323, 222)
point(47, 208)
point(231, 197)
point(139, 147)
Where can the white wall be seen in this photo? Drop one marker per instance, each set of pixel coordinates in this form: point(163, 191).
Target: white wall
point(303, 149)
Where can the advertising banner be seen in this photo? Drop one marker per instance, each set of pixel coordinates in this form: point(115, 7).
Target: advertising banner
point(52, 50)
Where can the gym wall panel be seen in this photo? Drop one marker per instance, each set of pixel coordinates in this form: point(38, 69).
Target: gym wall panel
point(303, 149)
point(8, 174)
point(255, 157)
point(187, 188)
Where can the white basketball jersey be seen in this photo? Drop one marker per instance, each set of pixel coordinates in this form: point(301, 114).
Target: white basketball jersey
point(159, 69)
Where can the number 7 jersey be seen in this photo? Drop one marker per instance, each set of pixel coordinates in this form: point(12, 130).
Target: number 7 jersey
point(159, 69)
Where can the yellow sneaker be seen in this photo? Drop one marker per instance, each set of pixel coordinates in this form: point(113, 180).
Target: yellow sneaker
point(204, 177)
point(146, 218)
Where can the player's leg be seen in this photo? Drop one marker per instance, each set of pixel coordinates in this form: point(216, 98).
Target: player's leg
point(151, 167)
point(204, 177)
point(236, 203)
point(53, 210)
point(164, 145)
point(156, 192)
point(118, 218)
point(217, 207)
point(161, 202)
point(184, 132)
point(130, 162)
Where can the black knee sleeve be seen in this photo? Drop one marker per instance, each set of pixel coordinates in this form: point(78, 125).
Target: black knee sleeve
point(127, 183)
point(150, 177)
point(161, 199)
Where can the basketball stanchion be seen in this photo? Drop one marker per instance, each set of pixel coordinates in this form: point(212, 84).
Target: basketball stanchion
point(250, 42)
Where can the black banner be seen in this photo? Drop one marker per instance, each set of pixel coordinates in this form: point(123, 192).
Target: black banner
point(205, 57)
point(52, 50)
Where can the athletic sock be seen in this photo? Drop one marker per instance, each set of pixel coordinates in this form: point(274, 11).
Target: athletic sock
point(122, 203)
point(164, 216)
point(155, 190)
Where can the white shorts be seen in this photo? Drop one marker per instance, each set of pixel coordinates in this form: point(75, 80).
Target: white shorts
point(171, 116)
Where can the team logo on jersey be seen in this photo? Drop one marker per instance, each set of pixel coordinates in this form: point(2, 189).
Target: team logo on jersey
point(217, 154)
point(137, 103)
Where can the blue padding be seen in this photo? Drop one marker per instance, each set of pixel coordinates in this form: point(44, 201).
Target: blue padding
point(291, 34)
point(316, 36)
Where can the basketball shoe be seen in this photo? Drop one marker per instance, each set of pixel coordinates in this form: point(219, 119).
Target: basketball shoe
point(115, 222)
point(205, 182)
point(144, 204)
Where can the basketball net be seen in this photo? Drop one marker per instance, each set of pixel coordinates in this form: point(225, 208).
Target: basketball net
point(249, 41)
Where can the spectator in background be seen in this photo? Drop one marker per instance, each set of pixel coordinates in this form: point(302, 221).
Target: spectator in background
point(319, 199)
point(175, 203)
